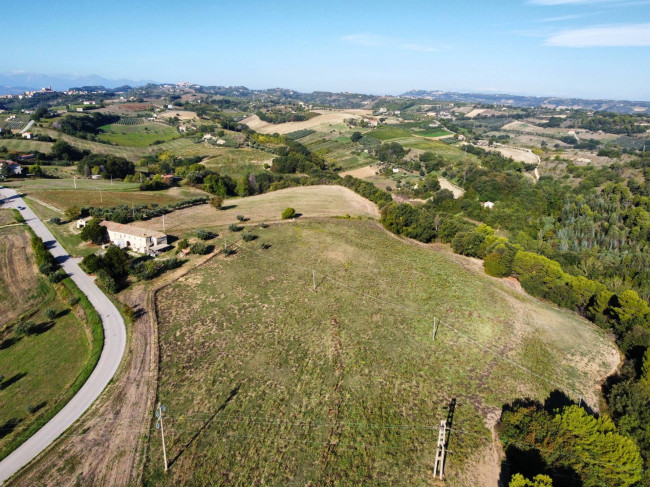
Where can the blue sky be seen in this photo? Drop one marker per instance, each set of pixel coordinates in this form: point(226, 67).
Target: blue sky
point(587, 48)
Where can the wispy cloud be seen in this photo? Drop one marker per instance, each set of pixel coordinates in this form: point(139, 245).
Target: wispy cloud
point(367, 40)
point(607, 36)
point(418, 47)
point(374, 40)
point(563, 18)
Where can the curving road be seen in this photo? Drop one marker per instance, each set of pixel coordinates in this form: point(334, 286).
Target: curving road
point(114, 346)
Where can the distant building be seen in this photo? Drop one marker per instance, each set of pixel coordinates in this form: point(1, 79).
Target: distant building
point(138, 239)
point(488, 204)
point(28, 135)
point(80, 109)
point(14, 167)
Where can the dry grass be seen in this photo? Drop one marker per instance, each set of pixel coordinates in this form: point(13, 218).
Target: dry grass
point(325, 119)
point(309, 201)
point(20, 287)
point(269, 382)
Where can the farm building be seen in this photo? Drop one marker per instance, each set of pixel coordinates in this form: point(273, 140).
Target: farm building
point(14, 167)
point(138, 239)
point(28, 135)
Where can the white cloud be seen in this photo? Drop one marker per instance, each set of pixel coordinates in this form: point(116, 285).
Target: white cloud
point(612, 36)
point(563, 18)
point(418, 47)
point(367, 40)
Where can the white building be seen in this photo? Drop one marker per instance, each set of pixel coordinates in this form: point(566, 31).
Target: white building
point(14, 167)
point(488, 204)
point(28, 135)
point(137, 239)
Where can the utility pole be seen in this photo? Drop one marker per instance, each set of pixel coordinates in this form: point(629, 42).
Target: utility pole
point(163, 222)
point(101, 197)
point(313, 278)
point(435, 328)
point(439, 466)
point(75, 182)
point(159, 425)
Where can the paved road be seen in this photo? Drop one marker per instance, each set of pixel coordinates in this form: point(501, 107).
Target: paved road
point(27, 127)
point(114, 345)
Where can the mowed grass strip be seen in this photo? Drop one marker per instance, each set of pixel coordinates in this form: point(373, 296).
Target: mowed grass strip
point(65, 198)
point(268, 381)
point(39, 370)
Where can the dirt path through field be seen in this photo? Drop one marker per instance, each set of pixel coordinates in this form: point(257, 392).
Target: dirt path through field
point(445, 184)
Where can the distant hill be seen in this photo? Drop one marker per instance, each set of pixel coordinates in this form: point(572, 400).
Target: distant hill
point(618, 106)
point(16, 83)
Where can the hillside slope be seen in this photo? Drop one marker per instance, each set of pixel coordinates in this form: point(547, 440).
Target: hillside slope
point(267, 380)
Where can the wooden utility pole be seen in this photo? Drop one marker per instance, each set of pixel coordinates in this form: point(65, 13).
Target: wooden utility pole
point(435, 328)
point(159, 425)
point(313, 278)
point(439, 466)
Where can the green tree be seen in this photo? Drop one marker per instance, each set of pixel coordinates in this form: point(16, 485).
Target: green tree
point(72, 213)
point(356, 136)
point(94, 232)
point(519, 480)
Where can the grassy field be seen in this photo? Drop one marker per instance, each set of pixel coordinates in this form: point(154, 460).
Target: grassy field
point(388, 133)
point(309, 201)
point(434, 132)
point(39, 369)
point(7, 217)
point(237, 162)
point(449, 152)
point(23, 145)
point(130, 153)
point(268, 382)
point(142, 135)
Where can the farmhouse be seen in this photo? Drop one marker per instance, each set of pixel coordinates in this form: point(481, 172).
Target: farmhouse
point(138, 239)
point(28, 135)
point(14, 167)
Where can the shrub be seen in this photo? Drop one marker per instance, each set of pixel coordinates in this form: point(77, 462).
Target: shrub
point(182, 244)
point(249, 237)
point(233, 227)
point(241, 218)
point(25, 327)
point(108, 281)
point(217, 201)
point(56, 220)
point(288, 213)
point(200, 248)
point(73, 301)
point(57, 276)
point(228, 251)
point(205, 234)
point(50, 313)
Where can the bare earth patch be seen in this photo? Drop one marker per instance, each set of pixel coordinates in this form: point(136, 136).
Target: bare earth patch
point(326, 117)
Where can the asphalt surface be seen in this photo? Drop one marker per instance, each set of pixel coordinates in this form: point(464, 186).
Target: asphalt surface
point(114, 346)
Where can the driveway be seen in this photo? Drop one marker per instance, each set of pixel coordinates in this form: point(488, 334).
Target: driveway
point(114, 346)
